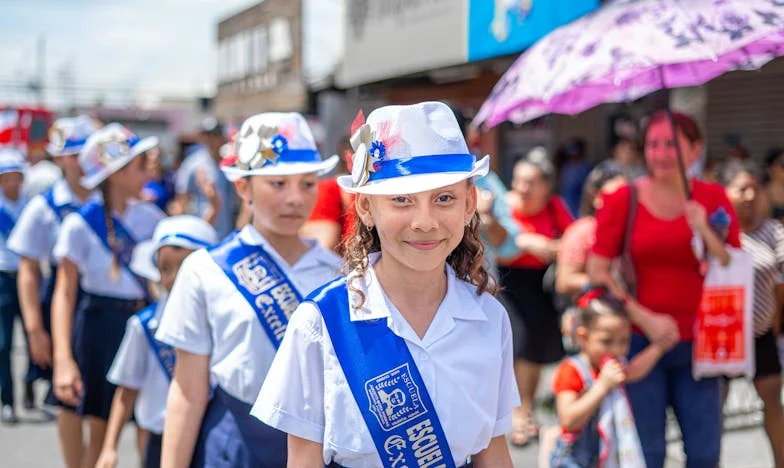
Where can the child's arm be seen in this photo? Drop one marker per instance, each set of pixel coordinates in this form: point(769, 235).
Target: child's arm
point(496, 455)
point(575, 410)
point(642, 363)
point(122, 407)
point(304, 453)
point(185, 406)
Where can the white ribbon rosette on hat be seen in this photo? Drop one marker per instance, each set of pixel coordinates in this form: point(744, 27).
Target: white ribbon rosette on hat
point(255, 149)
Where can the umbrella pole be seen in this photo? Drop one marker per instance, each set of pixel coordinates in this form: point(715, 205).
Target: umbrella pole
point(678, 149)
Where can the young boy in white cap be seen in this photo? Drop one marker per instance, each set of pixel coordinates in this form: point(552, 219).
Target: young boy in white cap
point(144, 366)
point(229, 306)
point(407, 361)
point(33, 240)
point(94, 249)
point(12, 166)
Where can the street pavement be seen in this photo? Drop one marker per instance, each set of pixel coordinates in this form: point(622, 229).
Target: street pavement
point(33, 442)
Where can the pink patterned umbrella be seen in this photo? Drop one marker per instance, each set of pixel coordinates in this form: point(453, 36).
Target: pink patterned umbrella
point(630, 48)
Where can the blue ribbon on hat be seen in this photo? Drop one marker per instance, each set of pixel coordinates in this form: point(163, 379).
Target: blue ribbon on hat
point(169, 237)
point(11, 168)
point(73, 145)
point(435, 164)
point(299, 156)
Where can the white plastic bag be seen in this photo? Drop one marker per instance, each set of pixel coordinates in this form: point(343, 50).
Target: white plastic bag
point(723, 332)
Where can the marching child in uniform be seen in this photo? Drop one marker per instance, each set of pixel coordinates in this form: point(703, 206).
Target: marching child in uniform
point(229, 306)
point(597, 425)
point(12, 166)
point(33, 240)
point(94, 249)
point(143, 367)
point(408, 359)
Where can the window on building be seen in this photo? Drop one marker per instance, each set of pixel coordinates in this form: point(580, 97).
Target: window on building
point(281, 46)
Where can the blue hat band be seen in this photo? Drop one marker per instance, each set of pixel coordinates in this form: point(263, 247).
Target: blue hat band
point(299, 156)
point(11, 168)
point(165, 240)
point(73, 145)
point(435, 164)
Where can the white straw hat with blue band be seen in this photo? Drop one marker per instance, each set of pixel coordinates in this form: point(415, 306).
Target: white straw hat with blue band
point(68, 135)
point(275, 144)
point(185, 231)
point(410, 149)
point(12, 160)
point(108, 150)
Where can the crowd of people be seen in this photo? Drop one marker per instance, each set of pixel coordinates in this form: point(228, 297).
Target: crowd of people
point(249, 309)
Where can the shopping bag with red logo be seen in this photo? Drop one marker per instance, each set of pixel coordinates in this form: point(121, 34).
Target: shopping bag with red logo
point(724, 337)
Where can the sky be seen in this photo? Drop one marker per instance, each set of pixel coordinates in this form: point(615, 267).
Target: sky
point(134, 48)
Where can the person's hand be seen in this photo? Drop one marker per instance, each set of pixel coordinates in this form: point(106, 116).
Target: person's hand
point(484, 201)
point(662, 329)
point(40, 344)
point(696, 216)
point(67, 381)
point(536, 245)
point(612, 374)
point(207, 187)
point(107, 459)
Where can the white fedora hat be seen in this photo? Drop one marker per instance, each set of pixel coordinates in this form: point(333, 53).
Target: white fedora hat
point(12, 160)
point(275, 144)
point(68, 135)
point(410, 149)
point(108, 150)
point(186, 231)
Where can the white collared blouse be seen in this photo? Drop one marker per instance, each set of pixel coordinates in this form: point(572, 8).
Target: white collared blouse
point(465, 360)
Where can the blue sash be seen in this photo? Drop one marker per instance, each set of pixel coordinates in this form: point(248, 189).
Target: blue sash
point(386, 385)
point(165, 353)
point(262, 282)
point(93, 214)
point(61, 211)
point(7, 222)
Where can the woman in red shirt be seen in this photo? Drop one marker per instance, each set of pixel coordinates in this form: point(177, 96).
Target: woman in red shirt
point(542, 218)
point(669, 227)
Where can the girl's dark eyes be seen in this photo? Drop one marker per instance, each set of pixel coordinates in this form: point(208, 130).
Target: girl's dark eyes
point(445, 198)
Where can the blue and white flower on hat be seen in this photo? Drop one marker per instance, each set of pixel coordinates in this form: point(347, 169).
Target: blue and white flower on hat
point(410, 149)
point(68, 135)
point(184, 231)
point(275, 143)
point(108, 150)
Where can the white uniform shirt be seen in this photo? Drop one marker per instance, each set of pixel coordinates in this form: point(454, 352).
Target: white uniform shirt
point(78, 243)
point(137, 367)
point(465, 360)
point(9, 261)
point(36, 230)
point(207, 315)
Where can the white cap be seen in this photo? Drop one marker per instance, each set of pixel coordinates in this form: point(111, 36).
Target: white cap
point(108, 150)
point(410, 149)
point(12, 160)
point(186, 231)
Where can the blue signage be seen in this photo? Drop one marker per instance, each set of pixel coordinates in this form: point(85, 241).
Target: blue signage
point(501, 27)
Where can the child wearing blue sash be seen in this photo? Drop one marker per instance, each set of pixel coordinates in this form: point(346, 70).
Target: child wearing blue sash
point(93, 250)
point(407, 361)
point(143, 367)
point(33, 239)
point(230, 304)
point(12, 167)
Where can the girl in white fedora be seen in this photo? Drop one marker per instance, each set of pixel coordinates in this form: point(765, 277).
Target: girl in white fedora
point(33, 240)
point(12, 201)
point(143, 367)
point(93, 250)
point(229, 306)
point(408, 359)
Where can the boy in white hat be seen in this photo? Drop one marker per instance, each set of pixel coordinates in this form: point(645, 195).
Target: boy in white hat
point(143, 367)
point(229, 306)
point(12, 166)
point(408, 359)
point(94, 249)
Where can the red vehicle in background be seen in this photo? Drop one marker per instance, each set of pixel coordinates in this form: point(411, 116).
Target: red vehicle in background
point(27, 129)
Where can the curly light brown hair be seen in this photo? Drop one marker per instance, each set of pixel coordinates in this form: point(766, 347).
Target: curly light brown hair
point(467, 259)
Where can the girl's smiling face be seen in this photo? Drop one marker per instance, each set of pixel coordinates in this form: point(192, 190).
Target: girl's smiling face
point(419, 231)
point(280, 204)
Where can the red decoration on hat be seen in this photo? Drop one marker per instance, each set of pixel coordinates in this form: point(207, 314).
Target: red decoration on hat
point(229, 160)
point(586, 298)
point(359, 121)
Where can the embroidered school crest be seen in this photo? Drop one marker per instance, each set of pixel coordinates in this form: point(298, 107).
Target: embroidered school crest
point(394, 398)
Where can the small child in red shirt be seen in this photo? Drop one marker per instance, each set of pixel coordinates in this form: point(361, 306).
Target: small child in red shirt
point(597, 426)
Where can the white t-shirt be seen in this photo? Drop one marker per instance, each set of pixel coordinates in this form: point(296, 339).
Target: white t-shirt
point(207, 315)
point(465, 360)
point(36, 230)
point(137, 367)
point(78, 243)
